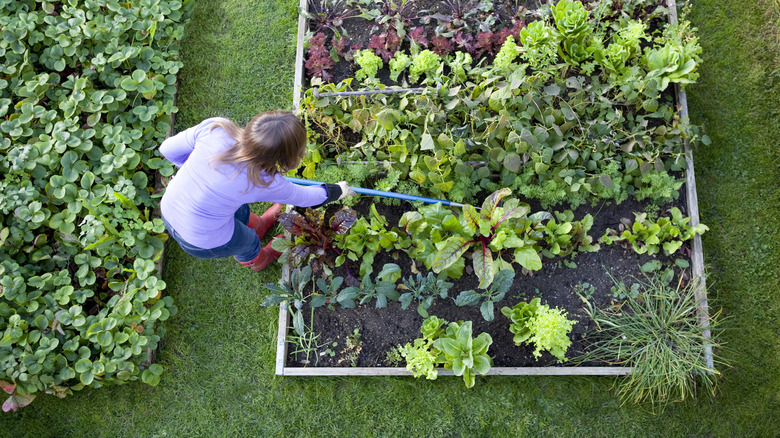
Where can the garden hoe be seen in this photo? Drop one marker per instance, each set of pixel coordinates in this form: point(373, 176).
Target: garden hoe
point(372, 192)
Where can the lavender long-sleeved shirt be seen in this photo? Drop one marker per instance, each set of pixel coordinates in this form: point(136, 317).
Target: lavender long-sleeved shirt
point(200, 201)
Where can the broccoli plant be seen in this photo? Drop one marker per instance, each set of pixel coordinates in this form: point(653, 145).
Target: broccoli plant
point(313, 237)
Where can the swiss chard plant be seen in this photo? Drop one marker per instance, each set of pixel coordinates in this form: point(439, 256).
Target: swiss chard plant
point(485, 231)
point(647, 236)
point(313, 237)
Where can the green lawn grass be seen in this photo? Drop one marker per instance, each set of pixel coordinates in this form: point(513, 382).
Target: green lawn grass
point(219, 349)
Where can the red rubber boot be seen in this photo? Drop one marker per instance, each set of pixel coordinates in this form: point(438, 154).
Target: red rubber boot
point(261, 224)
point(265, 257)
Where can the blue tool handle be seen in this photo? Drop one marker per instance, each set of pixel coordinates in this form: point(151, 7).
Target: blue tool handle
point(372, 192)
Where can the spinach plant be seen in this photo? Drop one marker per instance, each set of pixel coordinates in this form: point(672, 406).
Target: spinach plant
point(647, 236)
point(453, 346)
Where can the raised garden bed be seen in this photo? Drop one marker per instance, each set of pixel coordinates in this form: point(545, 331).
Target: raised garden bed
point(381, 329)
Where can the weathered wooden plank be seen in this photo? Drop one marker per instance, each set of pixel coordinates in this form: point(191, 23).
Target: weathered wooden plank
point(495, 371)
point(697, 256)
point(284, 320)
point(302, 28)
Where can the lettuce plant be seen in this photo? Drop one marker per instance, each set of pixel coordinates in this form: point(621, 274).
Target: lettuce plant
point(507, 54)
point(462, 353)
point(458, 65)
point(546, 328)
point(672, 63)
point(385, 44)
point(420, 355)
point(425, 62)
point(453, 346)
point(369, 65)
point(400, 61)
point(647, 236)
point(540, 45)
point(573, 26)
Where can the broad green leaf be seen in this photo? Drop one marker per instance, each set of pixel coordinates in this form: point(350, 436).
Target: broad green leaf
point(528, 258)
point(452, 250)
point(483, 266)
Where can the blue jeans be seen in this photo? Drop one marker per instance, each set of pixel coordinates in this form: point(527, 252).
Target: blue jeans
point(244, 245)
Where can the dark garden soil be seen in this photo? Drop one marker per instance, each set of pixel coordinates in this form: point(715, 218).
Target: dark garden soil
point(382, 329)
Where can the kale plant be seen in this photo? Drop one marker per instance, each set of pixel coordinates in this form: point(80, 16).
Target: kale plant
point(493, 294)
point(424, 290)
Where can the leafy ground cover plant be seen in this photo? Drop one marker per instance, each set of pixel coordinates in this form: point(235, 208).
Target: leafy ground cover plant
point(548, 329)
point(658, 334)
point(647, 236)
point(86, 95)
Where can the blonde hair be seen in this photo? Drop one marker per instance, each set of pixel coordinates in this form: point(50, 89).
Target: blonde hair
point(272, 142)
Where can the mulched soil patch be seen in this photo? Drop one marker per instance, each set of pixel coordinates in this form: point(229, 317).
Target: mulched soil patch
point(382, 329)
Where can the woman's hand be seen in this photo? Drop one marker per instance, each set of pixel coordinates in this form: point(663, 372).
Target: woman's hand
point(345, 190)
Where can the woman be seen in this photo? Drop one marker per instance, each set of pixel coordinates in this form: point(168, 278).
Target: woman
point(223, 168)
